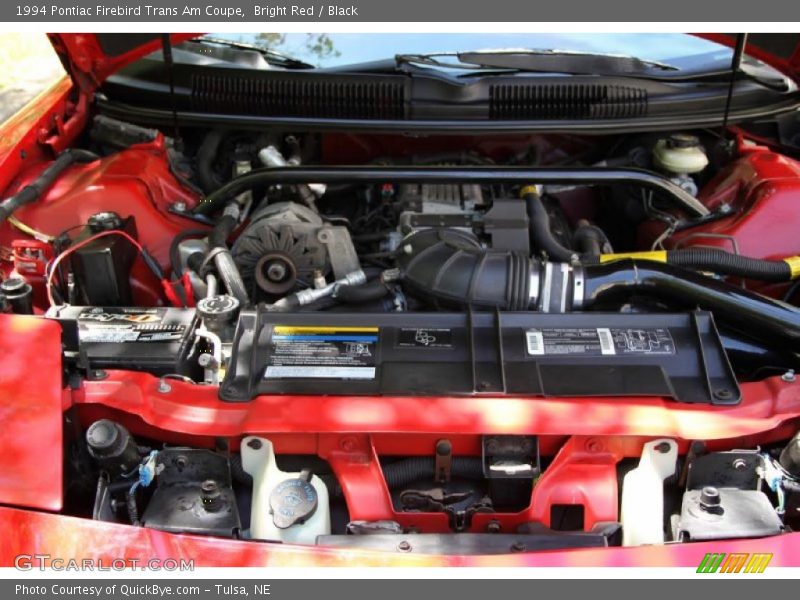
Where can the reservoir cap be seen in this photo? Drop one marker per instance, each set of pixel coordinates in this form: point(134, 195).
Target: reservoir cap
point(293, 501)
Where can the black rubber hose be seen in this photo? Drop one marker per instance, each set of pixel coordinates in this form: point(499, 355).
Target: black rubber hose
point(238, 473)
point(218, 238)
point(404, 472)
point(590, 240)
point(539, 232)
point(133, 509)
point(223, 261)
point(360, 294)
point(217, 200)
point(448, 268)
point(727, 263)
point(32, 191)
point(753, 315)
point(206, 155)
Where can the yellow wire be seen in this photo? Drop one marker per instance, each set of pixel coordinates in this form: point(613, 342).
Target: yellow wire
point(42, 237)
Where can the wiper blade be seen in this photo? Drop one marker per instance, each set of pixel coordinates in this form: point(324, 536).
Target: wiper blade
point(545, 61)
point(273, 57)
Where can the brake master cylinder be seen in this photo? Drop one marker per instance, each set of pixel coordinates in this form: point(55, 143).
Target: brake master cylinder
point(681, 156)
point(290, 507)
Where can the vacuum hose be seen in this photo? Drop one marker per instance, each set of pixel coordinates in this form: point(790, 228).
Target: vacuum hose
point(540, 234)
point(720, 262)
point(32, 191)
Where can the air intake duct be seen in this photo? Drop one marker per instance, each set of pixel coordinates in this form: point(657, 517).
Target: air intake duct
point(449, 269)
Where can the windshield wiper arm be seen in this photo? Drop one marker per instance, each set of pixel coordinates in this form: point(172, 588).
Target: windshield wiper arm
point(273, 57)
point(545, 61)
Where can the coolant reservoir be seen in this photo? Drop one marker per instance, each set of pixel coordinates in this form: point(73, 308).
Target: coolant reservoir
point(287, 507)
point(643, 494)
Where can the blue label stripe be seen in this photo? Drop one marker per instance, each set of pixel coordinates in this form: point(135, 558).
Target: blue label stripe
point(325, 338)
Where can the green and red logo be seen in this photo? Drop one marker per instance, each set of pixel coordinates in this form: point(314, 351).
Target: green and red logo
point(742, 562)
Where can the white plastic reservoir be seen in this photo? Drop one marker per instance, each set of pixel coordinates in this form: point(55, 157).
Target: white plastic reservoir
point(643, 494)
point(258, 459)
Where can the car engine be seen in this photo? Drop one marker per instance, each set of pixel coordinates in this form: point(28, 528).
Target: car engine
point(343, 339)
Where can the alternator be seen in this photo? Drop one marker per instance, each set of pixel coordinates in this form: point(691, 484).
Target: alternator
point(287, 244)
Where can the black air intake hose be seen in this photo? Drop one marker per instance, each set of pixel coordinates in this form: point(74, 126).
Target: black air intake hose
point(755, 316)
point(32, 191)
point(448, 268)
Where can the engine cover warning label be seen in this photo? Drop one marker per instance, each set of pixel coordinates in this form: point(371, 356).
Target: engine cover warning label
point(600, 341)
point(322, 353)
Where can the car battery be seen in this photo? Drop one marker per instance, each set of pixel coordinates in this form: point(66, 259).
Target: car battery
point(158, 340)
point(679, 356)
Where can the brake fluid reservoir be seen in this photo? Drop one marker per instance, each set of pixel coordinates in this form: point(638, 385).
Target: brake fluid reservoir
point(642, 511)
point(680, 154)
point(287, 507)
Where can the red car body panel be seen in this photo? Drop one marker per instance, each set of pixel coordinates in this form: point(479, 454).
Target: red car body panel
point(31, 407)
point(28, 533)
point(349, 432)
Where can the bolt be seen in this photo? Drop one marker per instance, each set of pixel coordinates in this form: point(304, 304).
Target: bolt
point(739, 464)
point(723, 394)
point(99, 374)
point(724, 208)
point(255, 444)
point(181, 462)
point(404, 546)
point(493, 527)
point(594, 445)
point(179, 206)
point(663, 448)
point(211, 495)
point(206, 361)
point(164, 387)
point(709, 498)
point(518, 547)
point(276, 271)
point(348, 444)
point(789, 376)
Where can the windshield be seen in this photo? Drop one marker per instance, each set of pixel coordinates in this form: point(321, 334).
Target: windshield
point(339, 49)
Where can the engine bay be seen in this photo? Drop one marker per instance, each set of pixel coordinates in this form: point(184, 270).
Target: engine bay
point(340, 339)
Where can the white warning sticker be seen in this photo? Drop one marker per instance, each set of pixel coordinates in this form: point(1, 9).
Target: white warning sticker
point(598, 341)
point(317, 352)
